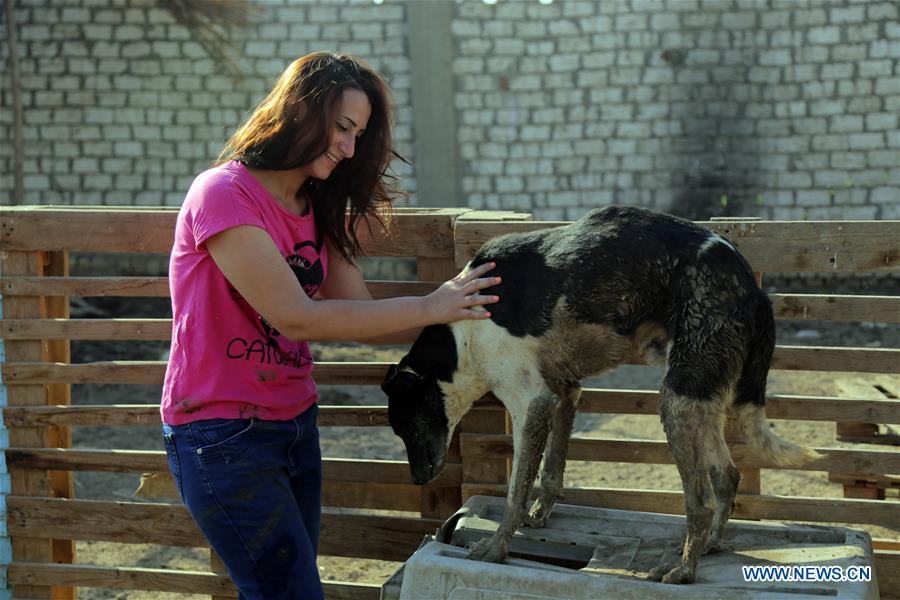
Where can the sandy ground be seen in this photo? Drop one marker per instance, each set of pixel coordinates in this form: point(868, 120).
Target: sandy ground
point(382, 444)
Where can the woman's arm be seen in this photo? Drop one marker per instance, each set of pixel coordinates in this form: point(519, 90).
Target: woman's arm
point(249, 260)
point(345, 282)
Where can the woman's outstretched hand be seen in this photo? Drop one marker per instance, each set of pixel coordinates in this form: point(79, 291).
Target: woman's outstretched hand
point(455, 299)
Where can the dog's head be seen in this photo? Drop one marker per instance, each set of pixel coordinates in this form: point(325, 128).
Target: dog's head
point(416, 413)
point(417, 407)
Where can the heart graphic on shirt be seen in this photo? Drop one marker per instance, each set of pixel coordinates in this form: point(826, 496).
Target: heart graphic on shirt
point(307, 267)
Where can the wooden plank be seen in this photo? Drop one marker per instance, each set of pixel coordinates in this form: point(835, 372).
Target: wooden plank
point(86, 286)
point(159, 287)
point(80, 229)
point(602, 401)
point(882, 480)
point(482, 446)
point(747, 506)
point(346, 470)
point(152, 372)
point(355, 536)
point(769, 246)
point(885, 544)
point(427, 235)
point(778, 406)
point(86, 329)
point(151, 230)
point(101, 414)
point(128, 522)
point(366, 536)
point(335, 493)
point(822, 307)
point(382, 471)
point(139, 372)
point(476, 446)
point(27, 483)
point(819, 358)
point(887, 570)
point(217, 566)
point(337, 590)
point(148, 414)
point(801, 408)
point(811, 358)
point(372, 496)
point(120, 461)
point(494, 216)
point(392, 289)
point(130, 578)
point(160, 580)
point(62, 485)
point(353, 416)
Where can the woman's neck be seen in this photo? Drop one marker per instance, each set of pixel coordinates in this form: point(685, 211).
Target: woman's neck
point(285, 187)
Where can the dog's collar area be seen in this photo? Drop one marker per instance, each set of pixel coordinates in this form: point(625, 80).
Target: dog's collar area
point(395, 370)
point(411, 372)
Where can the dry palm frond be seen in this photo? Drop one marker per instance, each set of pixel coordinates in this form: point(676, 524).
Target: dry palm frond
point(210, 22)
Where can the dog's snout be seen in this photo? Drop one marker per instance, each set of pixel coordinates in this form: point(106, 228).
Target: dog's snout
point(423, 476)
point(424, 472)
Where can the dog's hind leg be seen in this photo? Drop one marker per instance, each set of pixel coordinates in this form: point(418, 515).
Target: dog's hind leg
point(692, 427)
point(555, 457)
point(724, 477)
point(531, 425)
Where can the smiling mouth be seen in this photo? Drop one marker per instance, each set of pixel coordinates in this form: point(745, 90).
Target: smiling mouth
point(332, 157)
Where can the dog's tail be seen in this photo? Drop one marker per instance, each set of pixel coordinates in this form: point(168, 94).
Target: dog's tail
point(756, 432)
point(750, 395)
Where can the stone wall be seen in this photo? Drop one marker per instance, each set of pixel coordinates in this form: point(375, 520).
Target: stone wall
point(123, 106)
point(783, 109)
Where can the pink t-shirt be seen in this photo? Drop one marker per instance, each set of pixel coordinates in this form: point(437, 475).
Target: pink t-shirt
point(227, 361)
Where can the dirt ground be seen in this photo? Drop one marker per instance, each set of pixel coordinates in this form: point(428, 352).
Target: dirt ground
point(380, 443)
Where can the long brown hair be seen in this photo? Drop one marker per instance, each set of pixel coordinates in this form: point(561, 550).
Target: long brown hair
point(292, 127)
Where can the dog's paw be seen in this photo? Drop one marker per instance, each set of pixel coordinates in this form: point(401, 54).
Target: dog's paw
point(680, 574)
point(713, 546)
point(537, 516)
point(657, 573)
point(534, 521)
point(487, 550)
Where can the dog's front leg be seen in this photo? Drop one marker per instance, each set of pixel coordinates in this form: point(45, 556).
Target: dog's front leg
point(529, 439)
point(555, 458)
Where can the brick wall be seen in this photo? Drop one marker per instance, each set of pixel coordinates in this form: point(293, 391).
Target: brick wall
point(784, 109)
point(122, 106)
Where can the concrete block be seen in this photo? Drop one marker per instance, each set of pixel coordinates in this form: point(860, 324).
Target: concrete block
point(867, 141)
point(849, 14)
point(586, 553)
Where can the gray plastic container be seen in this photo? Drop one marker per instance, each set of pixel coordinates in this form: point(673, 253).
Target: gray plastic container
point(590, 553)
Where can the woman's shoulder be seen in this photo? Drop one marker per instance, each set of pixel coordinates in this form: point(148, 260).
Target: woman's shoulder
point(228, 181)
point(220, 176)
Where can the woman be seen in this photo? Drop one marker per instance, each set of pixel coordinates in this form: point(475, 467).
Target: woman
point(263, 263)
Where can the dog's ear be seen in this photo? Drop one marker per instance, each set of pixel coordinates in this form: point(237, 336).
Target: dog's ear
point(400, 380)
point(389, 378)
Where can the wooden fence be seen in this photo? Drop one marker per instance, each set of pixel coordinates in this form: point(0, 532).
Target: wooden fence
point(44, 518)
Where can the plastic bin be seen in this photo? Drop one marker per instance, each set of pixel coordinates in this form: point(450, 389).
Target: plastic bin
point(589, 553)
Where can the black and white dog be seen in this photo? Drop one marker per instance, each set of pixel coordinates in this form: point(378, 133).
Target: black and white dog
point(576, 301)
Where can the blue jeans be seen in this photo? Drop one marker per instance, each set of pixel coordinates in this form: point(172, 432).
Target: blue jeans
point(255, 490)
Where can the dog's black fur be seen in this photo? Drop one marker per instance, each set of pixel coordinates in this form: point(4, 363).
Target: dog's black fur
point(578, 300)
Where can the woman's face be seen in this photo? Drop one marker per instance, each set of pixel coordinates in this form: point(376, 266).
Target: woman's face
point(352, 117)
